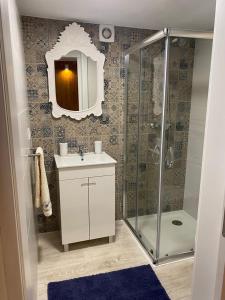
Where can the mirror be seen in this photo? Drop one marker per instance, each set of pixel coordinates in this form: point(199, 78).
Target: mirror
point(75, 75)
point(75, 81)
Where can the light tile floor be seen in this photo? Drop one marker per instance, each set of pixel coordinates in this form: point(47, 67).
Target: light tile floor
point(98, 256)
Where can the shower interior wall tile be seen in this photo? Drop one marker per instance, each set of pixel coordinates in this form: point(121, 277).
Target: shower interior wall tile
point(39, 36)
point(151, 82)
point(180, 85)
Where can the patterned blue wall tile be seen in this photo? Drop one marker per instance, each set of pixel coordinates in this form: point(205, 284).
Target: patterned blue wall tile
point(72, 143)
point(36, 133)
point(179, 126)
point(33, 110)
point(29, 70)
point(59, 140)
point(93, 119)
point(106, 86)
point(41, 68)
point(133, 119)
point(104, 119)
point(122, 73)
point(178, 145)
point(46, 107)
point(39, 36)
point(46, 131)
point(59, 132)
point(183, 75)
point(32, 94)
point(183, 64)
point(42, 43)
point(131, 186)
point(113, 140)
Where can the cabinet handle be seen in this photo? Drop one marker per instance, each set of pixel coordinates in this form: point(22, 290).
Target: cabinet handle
point(84, 184)
point(92, 183)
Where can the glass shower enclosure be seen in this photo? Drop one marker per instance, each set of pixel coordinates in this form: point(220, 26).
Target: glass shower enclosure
point(161, 172)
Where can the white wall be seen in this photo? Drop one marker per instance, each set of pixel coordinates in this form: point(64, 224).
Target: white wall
point(202, 61)
point(18, 113)
point(210, 246)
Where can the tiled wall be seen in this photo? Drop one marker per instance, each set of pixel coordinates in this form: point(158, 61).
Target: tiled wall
point(40, 35)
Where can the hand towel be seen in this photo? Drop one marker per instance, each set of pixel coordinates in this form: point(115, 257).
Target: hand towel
point(42, 196)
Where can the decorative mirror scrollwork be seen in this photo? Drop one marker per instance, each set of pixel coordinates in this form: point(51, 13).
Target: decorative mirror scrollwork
point(75, 75)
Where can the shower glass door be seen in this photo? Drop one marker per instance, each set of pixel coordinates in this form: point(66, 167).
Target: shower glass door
point(152, 62)
point(177, 230)
point(144, 117)
point(131, 143)
point(183, 143)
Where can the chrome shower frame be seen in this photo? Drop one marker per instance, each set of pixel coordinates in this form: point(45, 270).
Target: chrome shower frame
point(166, 33)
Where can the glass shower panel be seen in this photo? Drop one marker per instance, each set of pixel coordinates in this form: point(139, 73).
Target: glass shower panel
point(162, 168)
point(149, 143)
point(131, 150)
point(177, 232)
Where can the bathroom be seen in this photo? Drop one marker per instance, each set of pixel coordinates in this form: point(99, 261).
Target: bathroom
point(112, 153)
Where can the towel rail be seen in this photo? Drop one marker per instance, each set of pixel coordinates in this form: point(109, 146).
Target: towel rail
point(33, 155)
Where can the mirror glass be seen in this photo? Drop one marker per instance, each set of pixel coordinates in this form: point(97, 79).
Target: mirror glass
point(76, 81)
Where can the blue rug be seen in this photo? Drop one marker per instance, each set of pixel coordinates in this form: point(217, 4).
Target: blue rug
point(138, 283)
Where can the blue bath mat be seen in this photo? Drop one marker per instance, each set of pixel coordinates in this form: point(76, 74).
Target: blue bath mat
point(138, 283)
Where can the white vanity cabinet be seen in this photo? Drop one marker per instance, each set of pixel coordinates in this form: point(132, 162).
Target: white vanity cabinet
point(87, 197)
point(74, 210)
point(102, 206)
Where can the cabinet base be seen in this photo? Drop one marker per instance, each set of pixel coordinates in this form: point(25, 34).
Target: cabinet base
point(111, 238)
point(66, 247)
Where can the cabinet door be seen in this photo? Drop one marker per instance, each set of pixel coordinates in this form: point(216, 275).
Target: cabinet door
point(102, 206)
point(74, 210)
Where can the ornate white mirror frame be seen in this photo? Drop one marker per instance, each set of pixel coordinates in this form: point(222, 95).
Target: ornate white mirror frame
point(75, 38)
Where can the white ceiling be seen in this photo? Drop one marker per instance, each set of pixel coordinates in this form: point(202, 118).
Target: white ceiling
point(152, 14)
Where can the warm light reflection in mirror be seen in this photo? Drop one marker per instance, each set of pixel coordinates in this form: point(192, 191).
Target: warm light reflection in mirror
point(66, 75)
point(67, 84)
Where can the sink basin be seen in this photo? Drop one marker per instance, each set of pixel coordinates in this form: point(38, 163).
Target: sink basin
point(89, 159)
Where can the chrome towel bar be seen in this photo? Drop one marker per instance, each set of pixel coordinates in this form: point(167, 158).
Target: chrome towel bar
point(33, 155)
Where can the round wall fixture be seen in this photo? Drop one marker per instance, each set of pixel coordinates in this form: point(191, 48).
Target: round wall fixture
point(106, 33)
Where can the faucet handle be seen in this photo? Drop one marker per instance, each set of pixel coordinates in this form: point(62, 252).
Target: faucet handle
point(81, 151)
point(81, 148)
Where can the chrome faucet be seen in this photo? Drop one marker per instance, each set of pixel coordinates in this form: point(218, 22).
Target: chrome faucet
point(81, 152)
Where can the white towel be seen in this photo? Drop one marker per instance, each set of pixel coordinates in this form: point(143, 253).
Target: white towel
point(42, 196)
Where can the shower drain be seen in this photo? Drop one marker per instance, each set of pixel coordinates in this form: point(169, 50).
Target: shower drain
point(177, 222)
